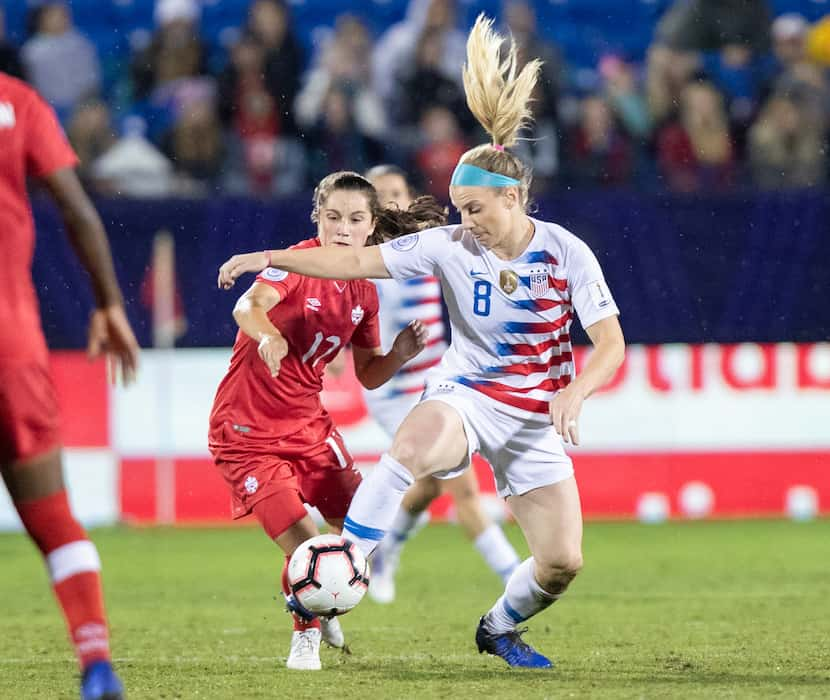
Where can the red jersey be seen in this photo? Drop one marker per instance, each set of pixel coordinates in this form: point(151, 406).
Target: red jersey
point(31, 143)
point(317, 317)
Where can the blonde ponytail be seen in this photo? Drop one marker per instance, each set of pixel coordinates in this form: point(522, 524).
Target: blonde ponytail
point(499, 99)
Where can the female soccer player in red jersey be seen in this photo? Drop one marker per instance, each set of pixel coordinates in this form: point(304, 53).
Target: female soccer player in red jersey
point(32, 143)
point(271, 438)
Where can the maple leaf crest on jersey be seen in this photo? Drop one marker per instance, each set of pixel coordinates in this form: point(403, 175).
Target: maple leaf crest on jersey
point(357, 314)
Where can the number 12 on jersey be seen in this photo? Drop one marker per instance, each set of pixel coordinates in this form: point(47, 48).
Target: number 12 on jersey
point(334, 343)
point(481, 298)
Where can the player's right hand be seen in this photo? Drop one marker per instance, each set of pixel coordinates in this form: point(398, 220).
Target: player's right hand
point(110, 334)
point(272, 348)
point(238, 265)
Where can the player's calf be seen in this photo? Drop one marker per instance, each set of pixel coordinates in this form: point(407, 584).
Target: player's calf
point(74, 569)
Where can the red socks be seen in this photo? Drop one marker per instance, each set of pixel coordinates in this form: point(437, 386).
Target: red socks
point(300, 625)
point(74, 568)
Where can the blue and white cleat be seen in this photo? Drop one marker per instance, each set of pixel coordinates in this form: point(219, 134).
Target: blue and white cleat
point(99, 682)
point(510, 647)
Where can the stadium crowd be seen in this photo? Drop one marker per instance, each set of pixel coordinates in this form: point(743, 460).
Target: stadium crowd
point(726, 95)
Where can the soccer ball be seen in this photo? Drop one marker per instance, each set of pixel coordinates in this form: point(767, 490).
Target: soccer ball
point(328, 575)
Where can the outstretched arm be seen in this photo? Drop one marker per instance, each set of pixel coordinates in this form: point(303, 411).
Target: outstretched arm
point(328, 262)
point(109, 329)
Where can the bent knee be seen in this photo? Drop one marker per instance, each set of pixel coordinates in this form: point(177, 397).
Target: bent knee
point(563, 566)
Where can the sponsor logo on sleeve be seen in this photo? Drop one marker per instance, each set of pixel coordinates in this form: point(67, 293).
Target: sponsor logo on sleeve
point(600, 294)
point(405, 243)
point(273, 274)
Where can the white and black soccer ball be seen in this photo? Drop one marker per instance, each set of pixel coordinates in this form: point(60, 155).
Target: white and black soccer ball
point(328, 575)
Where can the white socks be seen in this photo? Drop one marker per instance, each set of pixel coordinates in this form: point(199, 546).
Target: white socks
point(376, 502)
point(497, 551)
point(523, 597)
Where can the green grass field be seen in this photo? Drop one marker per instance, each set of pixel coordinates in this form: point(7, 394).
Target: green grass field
point(686, 610)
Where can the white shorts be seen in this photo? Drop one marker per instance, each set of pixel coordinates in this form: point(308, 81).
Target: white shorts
point(523, 455)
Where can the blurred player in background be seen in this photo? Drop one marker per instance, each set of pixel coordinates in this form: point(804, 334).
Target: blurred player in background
point(420, 298)
point(32, 143)
point(274, 443)
point(511, 284)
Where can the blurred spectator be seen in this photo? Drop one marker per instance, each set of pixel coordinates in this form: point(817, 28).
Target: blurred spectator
point(9, 58)
point(520, 18)
point(738, 27)
point(249, 111)
point(619, 82)
point(270, 22)
point(423, 85)
point(443, 146)
point(175, 50)
point(336, 141)
point(133, 167)
point(787, 148)
point(793, 68)
point(58, 61)
point(346, 61)
point(696, 151)
point(395, 49)
point(538, 145)
point(789, 40)
point(599, 152)
point(91, 134)
point(195, 147)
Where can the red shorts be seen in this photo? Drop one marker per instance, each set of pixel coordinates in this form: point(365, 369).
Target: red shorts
point(29, 418)
point(321, 474)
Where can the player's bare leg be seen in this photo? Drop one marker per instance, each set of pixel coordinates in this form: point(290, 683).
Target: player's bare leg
point(431, 439)
point(486, 534)
point(551, 519)
point(36, 486)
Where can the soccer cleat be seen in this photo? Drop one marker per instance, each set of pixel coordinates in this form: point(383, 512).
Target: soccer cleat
point(305, 651)
point(510, 647)
point(382, 580)
point(99, 682)
point(332, 632)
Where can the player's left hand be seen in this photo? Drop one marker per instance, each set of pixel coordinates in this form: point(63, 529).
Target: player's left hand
point(238, 265)
point(110, 334)
point(410, 341)
point(564, 413)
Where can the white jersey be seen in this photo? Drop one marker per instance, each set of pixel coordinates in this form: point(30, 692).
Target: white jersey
point(402, 302)
point(510, 320)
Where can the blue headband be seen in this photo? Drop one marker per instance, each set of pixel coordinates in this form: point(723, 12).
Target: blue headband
point(472, 176)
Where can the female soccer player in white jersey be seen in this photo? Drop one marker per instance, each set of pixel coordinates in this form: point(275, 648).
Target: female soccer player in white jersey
point(389, 404)
point(512, 284)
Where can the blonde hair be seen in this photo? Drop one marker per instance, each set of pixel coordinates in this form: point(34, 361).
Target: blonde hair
point(498, 99)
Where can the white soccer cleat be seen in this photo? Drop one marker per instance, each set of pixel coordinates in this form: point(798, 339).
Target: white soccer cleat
point(382, 580)
point(332, 632)
point(305, 651)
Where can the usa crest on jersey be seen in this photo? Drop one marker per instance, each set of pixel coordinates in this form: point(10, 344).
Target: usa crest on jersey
point(539, 284)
